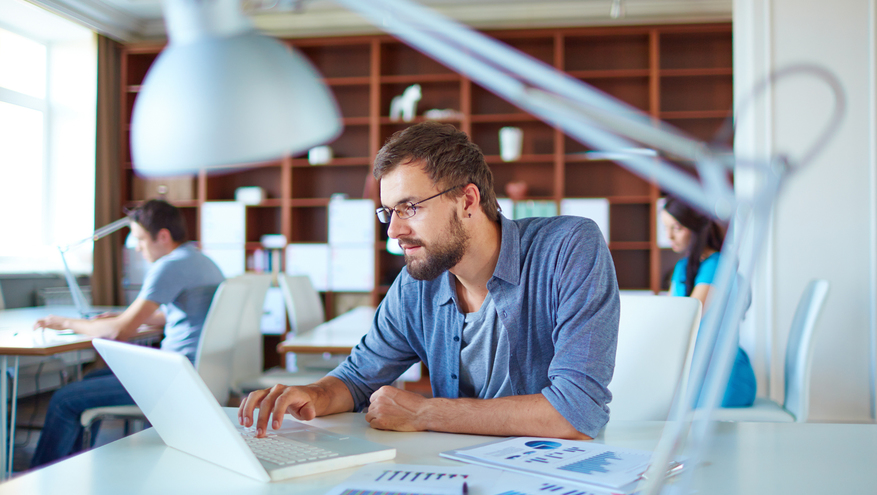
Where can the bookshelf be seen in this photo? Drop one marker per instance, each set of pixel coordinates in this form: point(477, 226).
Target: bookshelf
point(678, 73)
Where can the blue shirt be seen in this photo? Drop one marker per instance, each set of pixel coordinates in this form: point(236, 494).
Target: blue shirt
point(182, 282)
point(556, 294)
point(706, 273)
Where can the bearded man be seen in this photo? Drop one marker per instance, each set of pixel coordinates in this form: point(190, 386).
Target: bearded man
point(516, 320)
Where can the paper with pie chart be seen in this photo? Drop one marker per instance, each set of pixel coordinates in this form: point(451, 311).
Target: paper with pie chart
point(578, 461)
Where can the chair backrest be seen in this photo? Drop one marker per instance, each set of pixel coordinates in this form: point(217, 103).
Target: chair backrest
point(303, 304)
point(799, 350)
point(247, 359)
point(655, 341)
point(213, 360)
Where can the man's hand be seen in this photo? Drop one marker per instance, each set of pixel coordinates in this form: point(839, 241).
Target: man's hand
point(53, 322)
point(328, 396)
point(277, 401)
point(395, 409)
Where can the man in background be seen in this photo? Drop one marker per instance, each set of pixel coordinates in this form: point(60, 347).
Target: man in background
point(176, 294)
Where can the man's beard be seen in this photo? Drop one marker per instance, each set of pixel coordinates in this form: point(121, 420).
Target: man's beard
point(440, 257)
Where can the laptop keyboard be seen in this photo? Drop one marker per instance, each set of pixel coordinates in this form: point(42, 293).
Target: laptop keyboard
point(284, 451)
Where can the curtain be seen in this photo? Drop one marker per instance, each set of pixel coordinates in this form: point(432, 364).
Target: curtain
point(106, 280)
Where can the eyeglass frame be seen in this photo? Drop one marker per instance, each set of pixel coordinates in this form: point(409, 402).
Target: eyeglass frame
point(408, 206)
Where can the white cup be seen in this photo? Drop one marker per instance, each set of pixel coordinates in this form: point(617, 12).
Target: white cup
point(511, 139)
point(320, 155)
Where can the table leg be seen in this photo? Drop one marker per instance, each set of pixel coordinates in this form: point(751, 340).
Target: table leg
point(13, 409)
point(3, 417)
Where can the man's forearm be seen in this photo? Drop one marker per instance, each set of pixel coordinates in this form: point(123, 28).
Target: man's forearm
point(522, 415)
point(331, 397)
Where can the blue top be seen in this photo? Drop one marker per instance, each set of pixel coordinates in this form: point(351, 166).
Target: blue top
point(706, 273)
point(182, 282)
point(556, 294)
point(741, 388)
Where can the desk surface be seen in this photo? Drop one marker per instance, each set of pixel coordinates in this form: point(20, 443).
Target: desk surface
point(745, 458)
point(17, 337)
point(336, 336)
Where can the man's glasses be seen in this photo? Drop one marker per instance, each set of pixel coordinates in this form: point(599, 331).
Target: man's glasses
point(405, 210)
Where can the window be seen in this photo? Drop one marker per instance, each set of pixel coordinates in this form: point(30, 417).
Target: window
point(48, 83)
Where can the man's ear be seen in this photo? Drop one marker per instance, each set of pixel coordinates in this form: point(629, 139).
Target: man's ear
point(471, 197)
point(164, 237)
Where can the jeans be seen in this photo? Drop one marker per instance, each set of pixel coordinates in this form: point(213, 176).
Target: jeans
point(62, 433)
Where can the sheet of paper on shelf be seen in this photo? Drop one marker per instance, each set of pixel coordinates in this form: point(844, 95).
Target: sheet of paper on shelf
point(274, 312)
point(597, 209)
point(223, 222)
point(351, 221)
point(230, 260)
point(352, 268)
point(312, 260)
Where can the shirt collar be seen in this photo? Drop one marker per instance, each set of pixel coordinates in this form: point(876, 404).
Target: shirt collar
point(508, 266)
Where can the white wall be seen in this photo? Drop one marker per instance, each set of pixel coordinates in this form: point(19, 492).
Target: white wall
point(824, 221)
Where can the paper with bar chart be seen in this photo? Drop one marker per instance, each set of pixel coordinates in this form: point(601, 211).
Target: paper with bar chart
point(402, 479)
point(576, 461)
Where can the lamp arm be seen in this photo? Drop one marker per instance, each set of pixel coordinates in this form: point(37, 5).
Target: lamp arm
point(97, 234)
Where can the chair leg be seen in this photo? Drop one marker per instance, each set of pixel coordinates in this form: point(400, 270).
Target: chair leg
point(86, 438)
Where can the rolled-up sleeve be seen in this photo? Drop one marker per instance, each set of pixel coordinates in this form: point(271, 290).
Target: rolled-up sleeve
point(585, 333)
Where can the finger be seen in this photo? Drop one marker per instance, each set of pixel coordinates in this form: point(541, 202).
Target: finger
point(297, 402)
point(245, 412)
point(267, 406)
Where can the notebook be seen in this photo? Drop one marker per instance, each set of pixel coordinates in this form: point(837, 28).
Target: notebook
point(185, 414)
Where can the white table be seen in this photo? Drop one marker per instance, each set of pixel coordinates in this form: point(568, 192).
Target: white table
point(745, 458)
point(337, 336)
point(17, 339)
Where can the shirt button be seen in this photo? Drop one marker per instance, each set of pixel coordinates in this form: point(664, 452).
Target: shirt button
point(503, 314)
point(454, 376)
point(456, 339)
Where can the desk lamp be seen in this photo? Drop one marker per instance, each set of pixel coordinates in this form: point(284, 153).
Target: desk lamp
point(75, 292)
point(610, 126)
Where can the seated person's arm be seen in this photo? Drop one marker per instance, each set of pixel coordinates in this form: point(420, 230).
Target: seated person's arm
point(121, 327)
point(520, 415)
point(328, 395)
point(701, 292)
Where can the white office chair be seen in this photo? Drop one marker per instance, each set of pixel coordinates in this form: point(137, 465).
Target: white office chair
point(305, 311)
point(799, 358)
point(655, 341)
point(213, 358)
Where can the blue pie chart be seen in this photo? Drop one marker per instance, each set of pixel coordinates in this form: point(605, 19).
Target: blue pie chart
point(542, 444)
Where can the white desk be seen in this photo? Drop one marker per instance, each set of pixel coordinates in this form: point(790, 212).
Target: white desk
point(17, 339)
point(745, 458)
point(337, 336)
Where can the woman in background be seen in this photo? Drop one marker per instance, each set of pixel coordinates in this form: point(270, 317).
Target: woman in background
point(700, 240)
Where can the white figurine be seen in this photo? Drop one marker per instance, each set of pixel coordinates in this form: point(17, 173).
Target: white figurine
point(405, 104)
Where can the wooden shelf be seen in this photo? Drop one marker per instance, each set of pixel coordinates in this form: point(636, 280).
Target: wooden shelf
point(680, 73)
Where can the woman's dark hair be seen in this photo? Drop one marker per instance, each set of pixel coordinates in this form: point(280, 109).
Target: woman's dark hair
point(705, 233)
point(155, 215)
point(449, 159)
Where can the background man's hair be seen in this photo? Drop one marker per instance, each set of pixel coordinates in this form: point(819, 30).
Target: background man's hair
point(156, 214)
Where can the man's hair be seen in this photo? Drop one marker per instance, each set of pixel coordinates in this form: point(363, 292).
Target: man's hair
point(448, 157)
point(155, 215)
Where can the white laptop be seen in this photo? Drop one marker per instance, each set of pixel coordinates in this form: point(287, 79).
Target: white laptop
point(185, 414)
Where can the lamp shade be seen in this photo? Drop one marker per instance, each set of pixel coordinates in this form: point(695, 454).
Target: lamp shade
point(222, 101)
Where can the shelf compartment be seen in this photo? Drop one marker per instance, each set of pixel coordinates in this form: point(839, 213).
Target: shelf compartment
point(606, 52)
point(421, 78)
point(352, 100)
point(631, 268)
point(398, 59)
point(391, 265)
point(704, 129)
point(711, 93)
point(336, 162)
point(540, 48)
point(688, 50)
point(602, 179)
point(439, 95)
point(262, 221)
point(310, 224)
point(323, 182)
point(353, 143)
point(504, 118)
point(538, 137)
point(222, 186)
point(630, 223)
point(485, 102)
point(337, 61)
point(176, 189)
point(538, 176)
point(632, 90)
point(138, 65)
